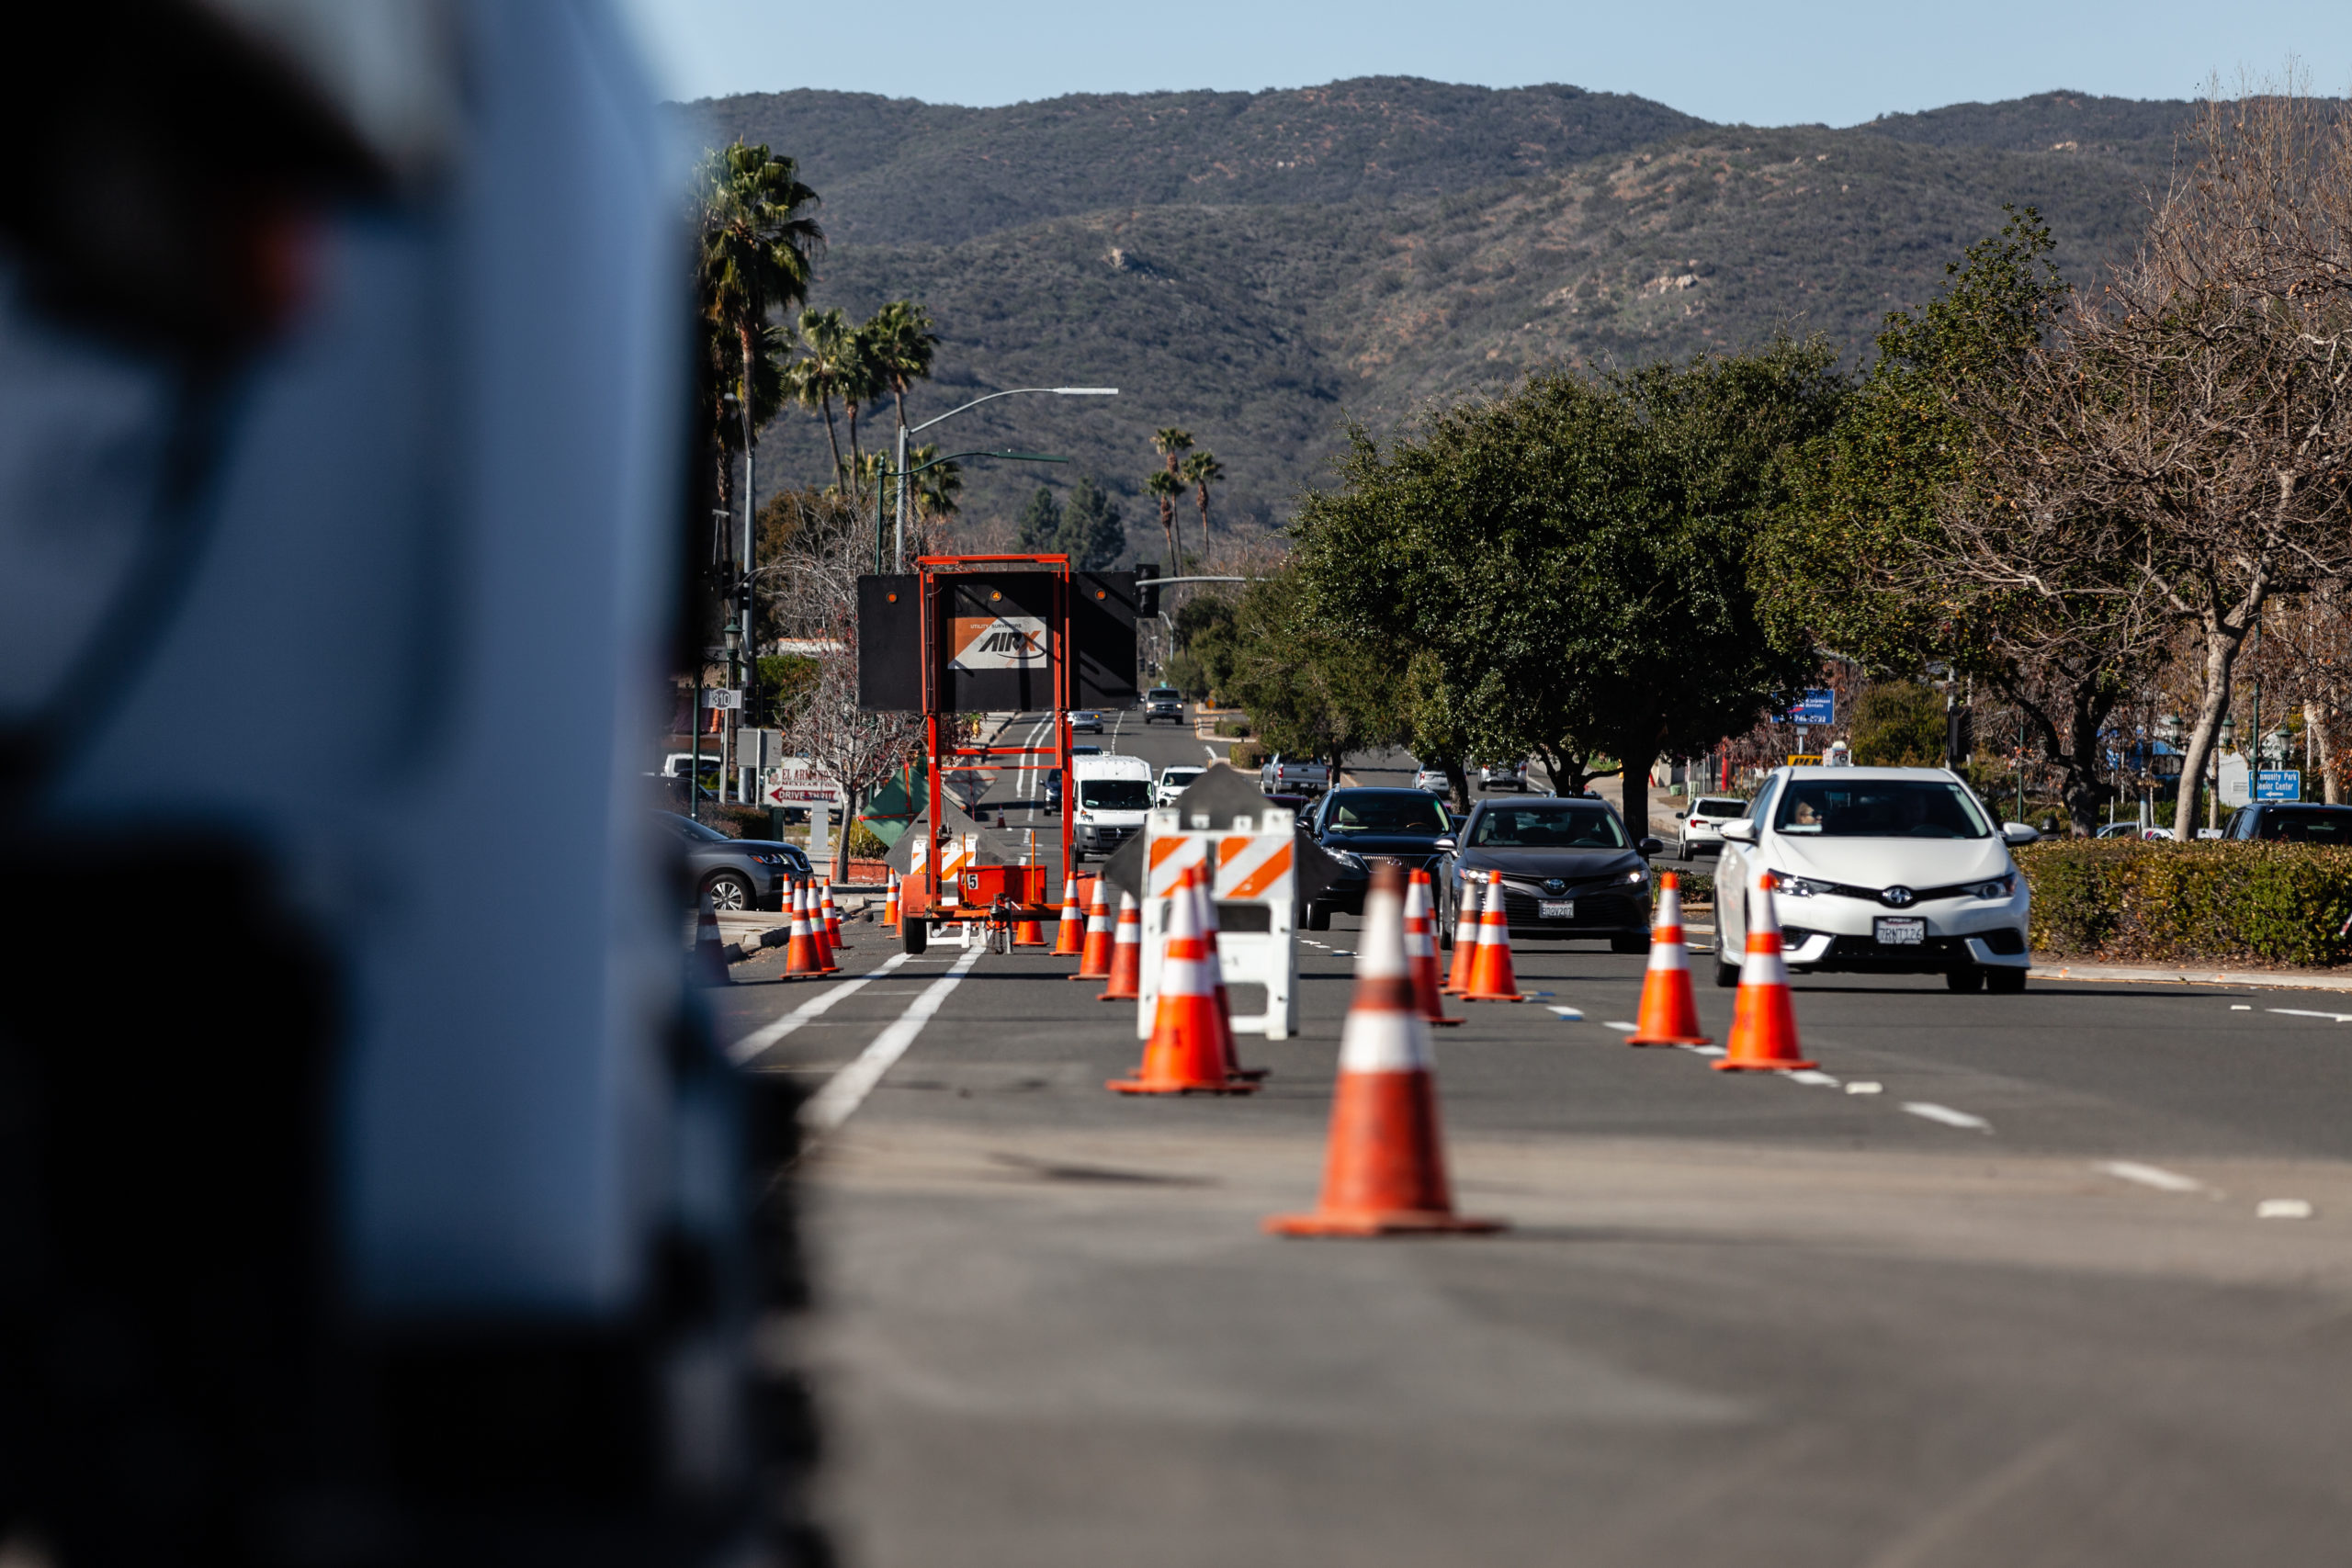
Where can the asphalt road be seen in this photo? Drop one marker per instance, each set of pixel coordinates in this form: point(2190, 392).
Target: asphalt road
point(2015, 1307)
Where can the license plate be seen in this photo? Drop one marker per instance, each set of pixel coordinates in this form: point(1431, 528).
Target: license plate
point(1562, 910)
point(1899, 933)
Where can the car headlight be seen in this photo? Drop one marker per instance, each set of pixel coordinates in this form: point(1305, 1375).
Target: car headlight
point(1348, 858)
point(1085, 816)
point(1999, 887)
point(773, 860)
point(1637, 874)
point(1799, 887)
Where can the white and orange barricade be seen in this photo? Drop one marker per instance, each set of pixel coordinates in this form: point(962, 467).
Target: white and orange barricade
point(1247, 866)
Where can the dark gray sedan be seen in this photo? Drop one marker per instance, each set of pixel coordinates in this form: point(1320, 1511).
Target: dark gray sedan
point(1358, 829)
point(737, 873)
point(1569, 869)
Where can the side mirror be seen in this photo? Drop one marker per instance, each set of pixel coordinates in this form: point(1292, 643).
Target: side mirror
point(1445, 843)
point(1650, 847)
point(1739, 829)
point(2019, 833)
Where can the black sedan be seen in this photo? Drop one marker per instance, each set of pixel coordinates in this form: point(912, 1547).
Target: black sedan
point(1357, 828)
point(737, 873)
point(1569, 869)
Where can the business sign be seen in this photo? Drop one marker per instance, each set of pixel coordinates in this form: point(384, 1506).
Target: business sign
point(796, 781)
point(1818, 707)
point(997, 642)
point(2278, 783)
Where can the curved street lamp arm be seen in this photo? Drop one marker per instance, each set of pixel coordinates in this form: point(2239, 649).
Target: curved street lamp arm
point(1015, 391)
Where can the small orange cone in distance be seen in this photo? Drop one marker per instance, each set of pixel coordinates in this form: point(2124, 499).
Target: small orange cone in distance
point(1186, 1053)
point(1384, 1173)
point(819, 943)
point(1069, 940)
point(800, 952)
point(1028, 932)
point(833, 917)
point(1466, 938)
point(1491, 976)
point(1094, 959)
point(1669, 1014)
point(1421, 950)
point(707, 963)
point(890, 902)
point(1126, 955)
point(1763, 1026)
point(1216, 972)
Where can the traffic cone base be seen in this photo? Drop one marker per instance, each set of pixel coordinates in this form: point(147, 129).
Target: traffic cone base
point(1669, 1011)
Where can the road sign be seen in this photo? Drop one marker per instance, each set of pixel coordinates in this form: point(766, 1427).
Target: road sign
point(2278, 783)
point(722, 698)
point(1820, 706)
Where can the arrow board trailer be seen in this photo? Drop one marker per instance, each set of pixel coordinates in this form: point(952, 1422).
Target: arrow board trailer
point(1251, 866)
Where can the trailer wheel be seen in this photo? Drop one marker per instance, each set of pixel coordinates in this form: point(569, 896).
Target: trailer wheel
point(914, 935)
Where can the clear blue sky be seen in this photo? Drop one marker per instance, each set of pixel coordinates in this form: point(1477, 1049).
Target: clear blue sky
point(1762, 63)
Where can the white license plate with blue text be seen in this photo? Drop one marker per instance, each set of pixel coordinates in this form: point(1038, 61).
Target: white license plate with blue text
point(1557, 909)
point(1900, 931)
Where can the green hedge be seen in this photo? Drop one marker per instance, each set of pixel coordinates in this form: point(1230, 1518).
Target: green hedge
point(2132, 899)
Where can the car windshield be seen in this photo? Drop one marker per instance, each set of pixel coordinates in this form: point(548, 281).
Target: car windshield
point(690, 829)
point(1177, 778)
point(2306, 827)
point(1387, 813)
point(1115, 794)
point(1720, 808)
point(1166, 694)
point(1539, 827)
point(1880, 808)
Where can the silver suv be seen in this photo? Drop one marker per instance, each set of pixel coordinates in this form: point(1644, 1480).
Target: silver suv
point(1163, 702)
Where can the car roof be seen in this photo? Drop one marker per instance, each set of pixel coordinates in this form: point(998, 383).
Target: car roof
point(1378, 789)
point(2297, 806)
point(1942, 775)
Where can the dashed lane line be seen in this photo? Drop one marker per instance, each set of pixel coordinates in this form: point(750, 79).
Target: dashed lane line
point(769, 1033)
point(2154, 1176)
point(1947, 1116)
point(2306, 1012)
point(1567, 1015)
point(1620, 1025)
point(846, 1091)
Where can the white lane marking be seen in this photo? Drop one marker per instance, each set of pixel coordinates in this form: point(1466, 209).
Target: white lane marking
point(768, 1034)
point(1947, 1116)
point(2306, 1012)
point(1865, 1088)
point(1807, 1075)
point(846, 1091)
point(2241, 1006)
point(1702, 1050)
point(2154, 1176)
point(1620, 1024)
point(2283, 1209)
point(1567, 1015)
point(1213, 756)
point(1022, 788)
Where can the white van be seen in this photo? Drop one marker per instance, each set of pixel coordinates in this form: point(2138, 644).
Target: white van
point(1113, 795)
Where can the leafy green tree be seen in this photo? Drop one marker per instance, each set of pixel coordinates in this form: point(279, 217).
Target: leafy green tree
point(937, 486)
point(1093, 534)
point(1038, 530)
point(1898, 724)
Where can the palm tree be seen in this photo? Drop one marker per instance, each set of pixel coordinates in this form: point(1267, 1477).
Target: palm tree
point(1200, 470)
point(825, 371)
point(1167, 487)
point(935, 489)
point(756, 246)
point(861, 383)
point(1170, 443)
point(901, 344)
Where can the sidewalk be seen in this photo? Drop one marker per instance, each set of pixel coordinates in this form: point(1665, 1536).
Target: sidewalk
point(2047, 967)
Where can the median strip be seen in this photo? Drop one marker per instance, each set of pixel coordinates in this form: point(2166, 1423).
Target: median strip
point(846, 1091)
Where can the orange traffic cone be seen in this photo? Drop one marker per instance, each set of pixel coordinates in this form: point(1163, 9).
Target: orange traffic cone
point(1763, 1027)
point(1421, 950)
point(1186, 1053)
point(818, 942)
point(1216, 972)
point(1669, 1014)
point(707, 963)
point(890, 903)
point(833, 917)
point(1385, 1171)
point(1094, 959)
point(1069, 939)
point(1126, 955)
point(799, 949)
point(1491, 979)
point(1465, 940)
point(1028, 932)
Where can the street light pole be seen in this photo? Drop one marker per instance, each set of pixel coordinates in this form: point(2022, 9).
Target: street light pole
point(900, 465)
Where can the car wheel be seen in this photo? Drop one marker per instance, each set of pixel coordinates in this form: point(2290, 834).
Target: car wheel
point(1629, 941)
point(914, 936)
point(1966, 977)
point(1727, 974)
point(2005, 982)
point(1318, 917)
point(728, 891)
point(1682, 852)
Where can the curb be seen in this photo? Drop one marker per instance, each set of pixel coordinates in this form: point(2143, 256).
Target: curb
point(2049, 969)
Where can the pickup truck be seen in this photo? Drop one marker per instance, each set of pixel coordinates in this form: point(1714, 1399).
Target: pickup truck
point(1281, 775)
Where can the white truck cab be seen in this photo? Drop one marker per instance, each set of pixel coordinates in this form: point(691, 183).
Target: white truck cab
point(1111, 799)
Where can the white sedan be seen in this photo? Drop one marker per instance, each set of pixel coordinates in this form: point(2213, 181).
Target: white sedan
point(1173, 782)
point(1879, 871)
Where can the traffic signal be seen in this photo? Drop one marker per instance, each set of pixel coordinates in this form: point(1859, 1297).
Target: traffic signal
point(1146, 596)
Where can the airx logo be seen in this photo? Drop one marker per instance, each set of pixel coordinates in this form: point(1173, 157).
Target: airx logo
point(997, 642)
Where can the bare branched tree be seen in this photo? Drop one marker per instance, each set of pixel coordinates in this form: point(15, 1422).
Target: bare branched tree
point(2183, 442)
